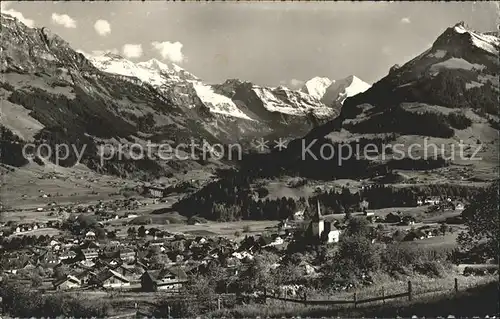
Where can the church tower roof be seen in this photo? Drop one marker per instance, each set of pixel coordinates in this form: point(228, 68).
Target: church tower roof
point(317, 217)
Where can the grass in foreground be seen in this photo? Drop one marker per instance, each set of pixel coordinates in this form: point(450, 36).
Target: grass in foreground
point(478, 301)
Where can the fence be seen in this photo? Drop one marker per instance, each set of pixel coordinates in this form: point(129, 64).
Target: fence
point(409, 293)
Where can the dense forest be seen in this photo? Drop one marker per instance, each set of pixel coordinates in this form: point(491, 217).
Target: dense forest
point(11, 147)
point(235, 199)
point(398, 120)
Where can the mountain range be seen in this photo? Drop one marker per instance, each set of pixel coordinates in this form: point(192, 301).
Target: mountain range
point(433, 121)
point(51, 92)
point(447, 96)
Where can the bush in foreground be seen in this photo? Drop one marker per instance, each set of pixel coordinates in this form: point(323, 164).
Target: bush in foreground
point(19, 301)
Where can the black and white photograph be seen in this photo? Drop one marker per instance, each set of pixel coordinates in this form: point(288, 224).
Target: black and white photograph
point(249, 159)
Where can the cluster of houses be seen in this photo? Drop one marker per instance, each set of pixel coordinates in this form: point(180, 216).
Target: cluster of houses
point(87, 264)
point(160, 191)
point(149, 263)
point(102, 211)
point(437, 201)
point(103, 208)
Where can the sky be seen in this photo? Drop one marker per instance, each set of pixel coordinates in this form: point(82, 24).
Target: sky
point(267, 43)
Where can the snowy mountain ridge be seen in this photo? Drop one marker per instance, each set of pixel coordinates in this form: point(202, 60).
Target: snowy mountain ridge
point(153, 71)
point(317, 86)
point(165, 76)
point(330, 92)
point(486, 42)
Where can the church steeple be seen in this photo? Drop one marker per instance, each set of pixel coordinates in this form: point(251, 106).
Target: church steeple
point(317, 216)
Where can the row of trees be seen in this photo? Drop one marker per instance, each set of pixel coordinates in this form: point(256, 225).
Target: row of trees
point(19, 242)
point(234, 199)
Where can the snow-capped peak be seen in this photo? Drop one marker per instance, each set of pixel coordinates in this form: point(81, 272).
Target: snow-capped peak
point(162, 76)
point(486, 42)
point(153, 71)
point(317, 86)
point(341, 89)
point(154, 64)
point(218, 103)
point(460, 27)
point(356, 86)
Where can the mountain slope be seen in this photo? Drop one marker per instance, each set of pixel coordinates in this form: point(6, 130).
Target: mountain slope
point(460, 66)
point(58, 96)
point(52, 93)
point(446, 95)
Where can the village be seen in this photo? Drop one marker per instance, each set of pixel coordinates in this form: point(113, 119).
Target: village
point(107, 246)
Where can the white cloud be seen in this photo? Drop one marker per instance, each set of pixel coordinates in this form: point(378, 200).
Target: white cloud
point(132, 50)
point(64, 20)
point(102, 27)
point(16, 14)
point(102, 52)
point(293, 84)
point(387, 50)
point(405, 20)
point(170, 50)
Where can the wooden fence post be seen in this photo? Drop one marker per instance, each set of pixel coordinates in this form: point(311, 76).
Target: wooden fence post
point(305, 296)
point(218, 302)
point(383, 296)
point(168, 311)
point(456, 284)
point(355, 300)
point(410, 292)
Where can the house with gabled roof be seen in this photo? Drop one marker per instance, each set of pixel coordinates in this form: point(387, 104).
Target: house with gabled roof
point(110, 279)
point(67, 282)
point(171, 278)
point(85, 276)
point(129, 271)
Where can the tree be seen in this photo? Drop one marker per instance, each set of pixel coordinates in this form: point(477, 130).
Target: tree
point(482, 222)
point(288, 273)
point(357, 227)
point(258, 275)
point(19, 301)
point(358, 255)
point(443, 228)
point(60, 272)
point(131, 232)
point(36, 281)
point(141, 232)
point(100, 232)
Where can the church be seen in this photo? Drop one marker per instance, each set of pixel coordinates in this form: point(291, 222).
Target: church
point(322, 230)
